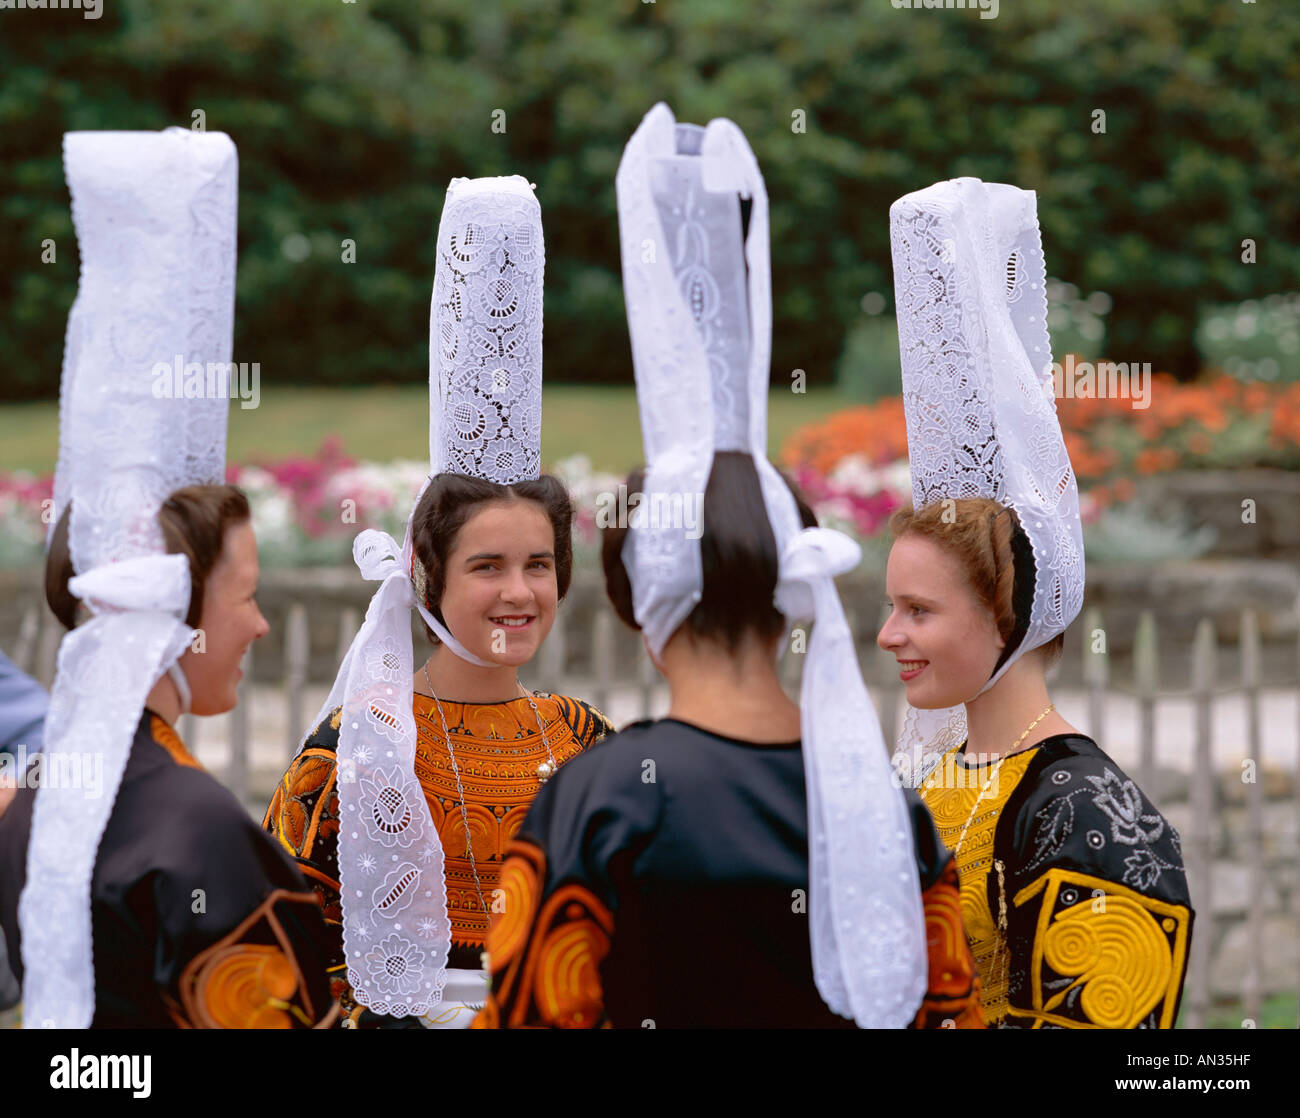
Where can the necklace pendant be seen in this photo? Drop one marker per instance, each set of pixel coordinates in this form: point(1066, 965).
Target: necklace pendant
point(545, 771)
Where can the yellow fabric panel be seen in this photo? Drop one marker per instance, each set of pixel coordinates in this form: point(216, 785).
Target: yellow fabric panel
point(951, 793)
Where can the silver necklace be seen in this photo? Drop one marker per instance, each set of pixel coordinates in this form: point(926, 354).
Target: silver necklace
point(547, 768)
point(544, 772)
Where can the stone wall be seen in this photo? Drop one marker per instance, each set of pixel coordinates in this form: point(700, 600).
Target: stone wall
point(1279, 967)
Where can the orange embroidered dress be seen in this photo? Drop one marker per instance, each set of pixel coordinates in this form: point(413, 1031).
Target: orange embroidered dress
point(497, 748)
point(199, 921)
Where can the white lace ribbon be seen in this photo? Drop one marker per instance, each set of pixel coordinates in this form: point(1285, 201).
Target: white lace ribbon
point(392, 883)
point(146, 582)
point(868, 924)
point(106, 668)
point(699, 314)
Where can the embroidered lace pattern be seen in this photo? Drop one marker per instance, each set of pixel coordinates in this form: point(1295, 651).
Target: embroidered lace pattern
point(485, 354)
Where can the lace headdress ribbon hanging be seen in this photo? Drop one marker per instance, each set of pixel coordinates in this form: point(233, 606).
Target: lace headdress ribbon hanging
point(699, 314)
point(971, 289)
point(154, 215)
point(485, 421)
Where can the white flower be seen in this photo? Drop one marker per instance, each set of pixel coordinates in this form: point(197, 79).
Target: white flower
point(392, 808)
point(384, 660)
point(368, 862)
point(394, 965)
point(856, 474)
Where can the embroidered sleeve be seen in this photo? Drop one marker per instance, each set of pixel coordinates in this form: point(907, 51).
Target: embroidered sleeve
point(1098, 915)
point(545, 950)
point(304, 816)
point(952, 998)
point(253, 977)
point(589, 725)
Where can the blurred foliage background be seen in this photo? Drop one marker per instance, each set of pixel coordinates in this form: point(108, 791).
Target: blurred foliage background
point(351, 118)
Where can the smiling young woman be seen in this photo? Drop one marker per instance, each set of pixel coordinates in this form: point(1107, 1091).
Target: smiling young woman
point(492, 563)
point(1074, 895)
point(189, 900)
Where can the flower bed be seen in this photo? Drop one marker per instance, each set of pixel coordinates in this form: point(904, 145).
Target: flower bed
point(852, 467)
point(857, 458)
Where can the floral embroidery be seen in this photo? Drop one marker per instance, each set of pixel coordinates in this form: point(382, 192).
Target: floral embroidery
point(1133, 822)
point(383, 660)
point(1143, 869)
point(390, 808)
point(394, 965)
point(1122, 803)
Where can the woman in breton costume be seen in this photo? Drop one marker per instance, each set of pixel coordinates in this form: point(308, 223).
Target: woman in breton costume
point(745, 861)
point(134, 889)
point(1074, 894)
point(402, 799)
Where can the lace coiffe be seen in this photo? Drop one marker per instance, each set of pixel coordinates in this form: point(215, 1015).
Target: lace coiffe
point(971, 288)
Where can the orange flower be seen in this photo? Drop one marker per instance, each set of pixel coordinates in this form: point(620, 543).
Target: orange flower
point(1194, 412)
point(1284, 432)
point(878, 431)
point(1155, 460)
point(1256, 398)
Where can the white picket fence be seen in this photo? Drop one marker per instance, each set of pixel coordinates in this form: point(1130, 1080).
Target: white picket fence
point(602, 657)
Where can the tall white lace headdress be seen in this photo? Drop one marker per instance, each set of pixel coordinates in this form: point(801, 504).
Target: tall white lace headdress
point(485, 421)
point(699, 313)
point(154, 215)
point(971, 289)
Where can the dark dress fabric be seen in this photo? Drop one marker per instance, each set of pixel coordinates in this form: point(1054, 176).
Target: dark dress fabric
point(194, 910)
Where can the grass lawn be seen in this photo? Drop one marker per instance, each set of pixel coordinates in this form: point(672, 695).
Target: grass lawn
point(381, 424)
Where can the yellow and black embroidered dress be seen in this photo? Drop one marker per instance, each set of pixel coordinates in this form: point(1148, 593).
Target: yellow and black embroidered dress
point(1096, 914)
point(662, 879)
point(199, 920)
point(498, 748)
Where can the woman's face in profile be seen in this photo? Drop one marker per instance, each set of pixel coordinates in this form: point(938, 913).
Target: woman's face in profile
point(230, 622)
point(945, 639)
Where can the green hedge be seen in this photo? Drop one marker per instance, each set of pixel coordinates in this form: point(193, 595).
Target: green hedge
point(351, 118)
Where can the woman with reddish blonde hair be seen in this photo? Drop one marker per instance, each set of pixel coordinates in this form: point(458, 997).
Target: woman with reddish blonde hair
point(1074, 894)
